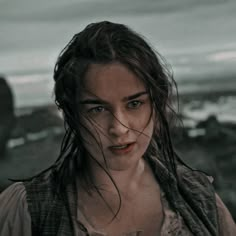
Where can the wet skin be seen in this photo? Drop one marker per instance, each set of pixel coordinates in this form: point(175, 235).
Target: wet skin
point(117, 110)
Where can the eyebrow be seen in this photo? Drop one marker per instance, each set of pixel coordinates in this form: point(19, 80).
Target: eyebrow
point(100, 101)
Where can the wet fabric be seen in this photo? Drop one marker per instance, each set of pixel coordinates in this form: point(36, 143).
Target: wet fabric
point(20, 223)
point(34, 205)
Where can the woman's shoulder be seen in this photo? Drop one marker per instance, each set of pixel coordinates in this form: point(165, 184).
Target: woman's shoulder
point(193, 177)
point(13, 199)
point(15, 193)
point(41, 186)
point(226, 223)
point(201, 185)
point(14, 215)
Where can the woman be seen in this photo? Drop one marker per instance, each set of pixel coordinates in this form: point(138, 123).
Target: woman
point(117, 173)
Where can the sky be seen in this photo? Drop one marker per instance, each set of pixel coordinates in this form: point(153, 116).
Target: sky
point(197, 37)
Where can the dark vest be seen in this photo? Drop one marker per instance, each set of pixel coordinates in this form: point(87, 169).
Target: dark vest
point(192, 196)
point(50, 214)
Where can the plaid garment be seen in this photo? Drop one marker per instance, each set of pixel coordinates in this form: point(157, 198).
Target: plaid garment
point(192, 196)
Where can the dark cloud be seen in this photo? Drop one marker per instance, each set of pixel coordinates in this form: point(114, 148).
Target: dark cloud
point(61, 10)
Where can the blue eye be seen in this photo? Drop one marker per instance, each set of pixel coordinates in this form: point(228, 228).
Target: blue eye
point(98, 109)
point(134, 104)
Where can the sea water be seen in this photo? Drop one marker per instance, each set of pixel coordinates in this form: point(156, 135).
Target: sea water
point(198, 40)
point(34, 90)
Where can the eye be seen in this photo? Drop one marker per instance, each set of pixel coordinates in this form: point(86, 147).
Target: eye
point(134, 104)
point(97, 109)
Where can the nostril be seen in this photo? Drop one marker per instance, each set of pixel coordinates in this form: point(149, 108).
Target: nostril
point(118, 128)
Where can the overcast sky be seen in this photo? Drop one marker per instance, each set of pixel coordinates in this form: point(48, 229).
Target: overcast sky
point(196, 36)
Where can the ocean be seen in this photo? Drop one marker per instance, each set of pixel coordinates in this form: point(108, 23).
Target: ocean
point(35, 90)
point(198, 39)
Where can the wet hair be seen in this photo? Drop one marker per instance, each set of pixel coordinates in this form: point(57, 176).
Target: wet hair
point(104, 43)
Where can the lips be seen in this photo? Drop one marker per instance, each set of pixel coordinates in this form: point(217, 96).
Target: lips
point(121, 145)
point(122, 148)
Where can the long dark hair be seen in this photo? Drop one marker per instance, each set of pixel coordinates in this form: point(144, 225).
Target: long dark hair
point(106, 42)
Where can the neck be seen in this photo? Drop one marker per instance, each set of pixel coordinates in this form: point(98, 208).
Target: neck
point(126, 180)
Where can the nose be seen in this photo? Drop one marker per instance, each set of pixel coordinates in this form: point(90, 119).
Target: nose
point(118, 125)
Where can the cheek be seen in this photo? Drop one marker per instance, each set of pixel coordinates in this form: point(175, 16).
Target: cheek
point(87, 130)
point(146, 134)
point(150, 127)
point(149, 130)
point(145, 121)
point(92, 133)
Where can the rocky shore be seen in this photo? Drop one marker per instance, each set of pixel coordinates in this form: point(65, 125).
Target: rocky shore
point(34, 144)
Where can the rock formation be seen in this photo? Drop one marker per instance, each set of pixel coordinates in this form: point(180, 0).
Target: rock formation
point(7, 117)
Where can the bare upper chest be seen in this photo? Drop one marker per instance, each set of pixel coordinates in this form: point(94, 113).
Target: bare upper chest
point(142, 211)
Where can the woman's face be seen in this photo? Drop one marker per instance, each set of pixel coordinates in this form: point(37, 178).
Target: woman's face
point(116, 109)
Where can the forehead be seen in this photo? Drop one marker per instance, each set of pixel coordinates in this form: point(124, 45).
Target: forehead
point(111, 81)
